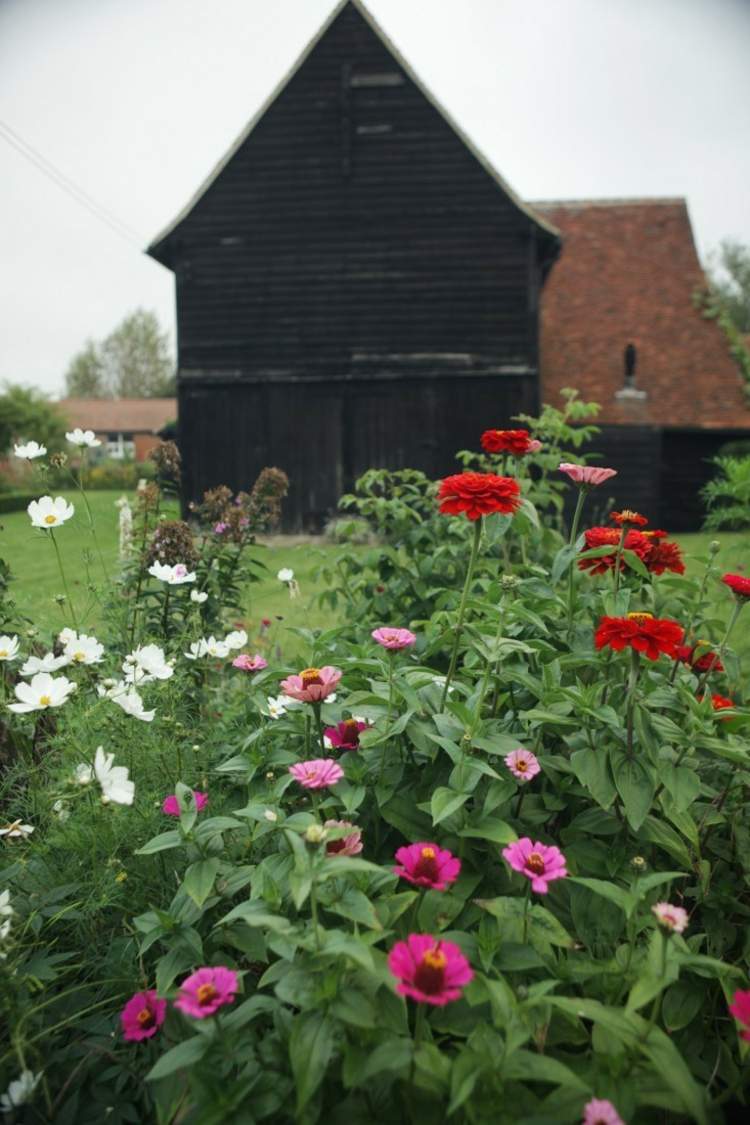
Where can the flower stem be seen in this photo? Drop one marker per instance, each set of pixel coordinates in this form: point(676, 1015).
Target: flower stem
point(632, 682)
point(462, 609)
point(618, 555)
point(736, 610)
point(319, 726)
point(577, 517)
point(64, 580)
point(526, 912)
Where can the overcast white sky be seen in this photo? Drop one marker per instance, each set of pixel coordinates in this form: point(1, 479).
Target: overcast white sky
point(135, 100)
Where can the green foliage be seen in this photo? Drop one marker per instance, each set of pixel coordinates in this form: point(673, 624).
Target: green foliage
point(133, 361)
point(727, 496)
point(730, 282)
point(27, 414)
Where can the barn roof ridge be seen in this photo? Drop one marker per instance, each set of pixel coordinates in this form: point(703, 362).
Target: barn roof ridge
point(614, 201)
point(388, 43)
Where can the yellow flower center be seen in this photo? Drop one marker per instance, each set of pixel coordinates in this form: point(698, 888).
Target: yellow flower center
point(522, 765)
point(50, 518)
point(79, 656)
point(628, 514)
point(435, 959)
point(535, 863)
point(428, 853)
point(44, 700)
point(640, 618)
point(205, 993)
point(310, 676)
point(3, 653)
point(145, 1017)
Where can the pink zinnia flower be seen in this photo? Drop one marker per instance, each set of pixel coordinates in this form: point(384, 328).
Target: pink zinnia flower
point(317, 774)
point(345, 735)
point(671, 917)
point(427, 865)
point(534, 445)
point(171, 805)
point(740, 1009)
point(537, 862)
point(312, 685)
point(207, 990)
point(350, 844)
point(600, 1112)
point(142, 1016)
point(247, 663)
point(430, 971)
point(587, 475)
point(394, 639)
point(523, 764)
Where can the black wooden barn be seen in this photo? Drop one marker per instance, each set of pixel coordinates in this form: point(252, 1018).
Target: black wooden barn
point(356, 285)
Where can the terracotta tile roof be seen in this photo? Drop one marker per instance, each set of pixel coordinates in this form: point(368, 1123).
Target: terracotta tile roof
point(627, 274)
point(119, 415)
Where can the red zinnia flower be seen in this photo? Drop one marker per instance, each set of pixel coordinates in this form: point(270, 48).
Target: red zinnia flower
point(635, 541)
point(718, 702)
point(664, 556)
point(628, 518)
point(516, 442)
point(642, 632)
point(738, 584)
point(478, 494)
point(709, 662)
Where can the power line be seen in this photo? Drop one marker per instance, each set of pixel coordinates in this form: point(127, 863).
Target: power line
point(47, 168)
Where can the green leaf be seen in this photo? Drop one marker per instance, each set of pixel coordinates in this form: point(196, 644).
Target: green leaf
point(311, 1045)
point(681, 1003)
point(545, 928)
point(183, 1055)
point(657, 832)
point(593, 772)
point(444, 802)
point(620, 897)
point(256, 913)
point(495, 830)
point(355, 906)
point(161, 843)
point(528, 1066)
point(199, 879)
point(635, 563)
point(393, 1055)
point(635, 786)
point(176, 961)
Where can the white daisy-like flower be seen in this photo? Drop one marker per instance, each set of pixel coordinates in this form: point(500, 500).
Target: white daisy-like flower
point(60, 811)
point(83, 775)
point(197, 649)
point(66, 635)
point(83, 437)
point(84, 650)
point(279, 705)
point(217, 649)
point(47, 663)
point(146, 663)
point(16, 830)
point(29, 450)
point(114, 780)
point(20, 1091)
point(286, 574)
point(6, 912)
point(8, 647)
point(236, 640)
point(125, 696)
point(198, 596)
point(48, 513)
point(172, 575)
point(44, 691)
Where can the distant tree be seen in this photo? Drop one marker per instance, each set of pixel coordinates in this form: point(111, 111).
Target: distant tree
point(134, 361)
point(730, 282)
point(26, 414)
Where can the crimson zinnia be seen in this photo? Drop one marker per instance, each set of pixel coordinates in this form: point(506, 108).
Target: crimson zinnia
point(642, 632)
point(610, 536)
point(628, 518)
point(738, 584)
point(478, 494)
point(516, 442)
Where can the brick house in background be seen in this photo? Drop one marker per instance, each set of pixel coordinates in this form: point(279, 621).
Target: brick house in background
point(127, 427)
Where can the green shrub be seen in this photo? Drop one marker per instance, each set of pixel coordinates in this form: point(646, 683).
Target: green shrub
point(728, 495)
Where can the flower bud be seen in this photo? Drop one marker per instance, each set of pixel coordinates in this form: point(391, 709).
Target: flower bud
point(315, 834)
point(714, 547)
point(639, 864)
point(271, 816)
point(509, 581)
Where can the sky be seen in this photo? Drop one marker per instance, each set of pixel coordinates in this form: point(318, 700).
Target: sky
point(136, 100)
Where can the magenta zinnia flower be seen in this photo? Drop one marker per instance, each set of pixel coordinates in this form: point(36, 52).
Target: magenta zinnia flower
point(394, 639)
point(430, 971)
point(522, 764)
point(350, 844)
point(538, 862)
point(588, 475)
point(671, 917)
point(345, 735)
point(171, 805)
point(427, 865)
point(207, 990)
point(142, 1016)
point(312, 685)
point(740, 1009)
point(247, 663)
point(318, 773)
point(600, 1112)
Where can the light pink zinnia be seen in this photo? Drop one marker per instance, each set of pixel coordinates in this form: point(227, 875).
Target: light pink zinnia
point(142, 1016)
point(312, 685)
point(600, 1112)
point(671, 917)
point(534, 445)
point(207, 990)
point(427, 865)
point(247, 663)
point(523, 764)
point(171, 805)
point(538, 862)
point(351, 844)
point(430, 971)
point(588, 475)
point(394, 639)
point(318, 773)
point(740, 1009)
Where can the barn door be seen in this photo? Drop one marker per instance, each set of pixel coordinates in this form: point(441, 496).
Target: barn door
point(306, 425)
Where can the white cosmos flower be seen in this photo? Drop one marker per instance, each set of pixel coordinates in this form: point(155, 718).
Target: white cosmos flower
point(20, 1091)
point(116, 786)
point(83, 437)
point(30, 450)
point(6, 912)
point(197, 649)
point(84, 650)
point(60, 811)
point(286, 574)
point(125, 696)
point(172, 575)
point(8, 647)
point(236, 640)
point(44, 691)
point(83, 774)
point(198, 596)
point(146, 663)
point(279, 705)
point(48, 513)
point(47, 663)
point(66, 635)
point(217, 649)
point(16, 830)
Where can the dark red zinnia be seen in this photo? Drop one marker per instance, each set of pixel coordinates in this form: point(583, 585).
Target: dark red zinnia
point(642, 632)
point(628, 518)
point(478, 494)
point(664, 555)
point(738, 584)
point(708, 662)
point(635, 541)
point(506, 441)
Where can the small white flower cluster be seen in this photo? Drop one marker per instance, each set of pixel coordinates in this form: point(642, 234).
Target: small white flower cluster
point(126, 697)
point(83, 437)
point(125, 526)
point(217, 650)
point(115, 784)
point(6, 913)
point(147, 663)
point(20, 1091)
point(198, 596)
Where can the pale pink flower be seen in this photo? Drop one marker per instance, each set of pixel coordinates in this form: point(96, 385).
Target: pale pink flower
point(588, 475)
point(671, 917)
point(428, 970)
point(319, 773)
point(534, 445)
point(247, 663)
point(393, 639)
point(207, 990)
point(600, 1112)
point(350, 844)
point(312, 685)
point(522, 764)
point(539, 862)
